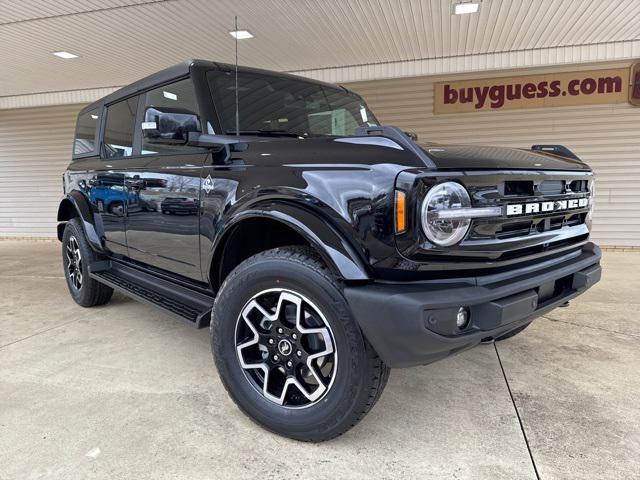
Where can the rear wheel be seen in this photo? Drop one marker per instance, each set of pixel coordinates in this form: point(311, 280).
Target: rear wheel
point(116, 208)
point(287, 349)
point(76, 257)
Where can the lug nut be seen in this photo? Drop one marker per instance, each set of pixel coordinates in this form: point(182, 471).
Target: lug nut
point(271, 341)
point(299, 353)
point(280, 330)
point(276, 358)
point(294, 336)
point(289, 364)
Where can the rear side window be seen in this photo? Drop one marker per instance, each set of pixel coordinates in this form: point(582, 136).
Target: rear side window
point(118, 133)
point(86, 128)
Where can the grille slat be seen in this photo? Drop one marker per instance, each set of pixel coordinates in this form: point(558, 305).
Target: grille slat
point(552, 187)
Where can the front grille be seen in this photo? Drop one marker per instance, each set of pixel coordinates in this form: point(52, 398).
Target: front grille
point(519, 234)
point(521, 189)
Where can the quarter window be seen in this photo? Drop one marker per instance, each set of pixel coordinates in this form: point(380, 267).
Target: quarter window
point(85, 137)
point(118, 134)
point(170, 113)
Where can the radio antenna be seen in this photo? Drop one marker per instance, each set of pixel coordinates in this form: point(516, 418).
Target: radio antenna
point(237, 103)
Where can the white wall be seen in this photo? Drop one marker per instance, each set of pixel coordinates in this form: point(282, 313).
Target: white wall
point(35, 149)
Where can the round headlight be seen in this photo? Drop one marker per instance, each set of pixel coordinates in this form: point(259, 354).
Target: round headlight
point(441, 200)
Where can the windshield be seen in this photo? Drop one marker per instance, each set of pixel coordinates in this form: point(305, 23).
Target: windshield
point(270, 103)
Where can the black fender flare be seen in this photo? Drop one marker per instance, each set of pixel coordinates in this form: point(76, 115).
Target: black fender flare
point(76, 204)
point(339, 255)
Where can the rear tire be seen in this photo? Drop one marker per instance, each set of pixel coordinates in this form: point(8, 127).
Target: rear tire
point(116, 208)
point(76, 257)
point(288, 284)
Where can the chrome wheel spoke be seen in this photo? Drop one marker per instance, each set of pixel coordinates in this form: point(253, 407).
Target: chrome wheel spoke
point(285, 347)
point(69, 253)
point(74, 262)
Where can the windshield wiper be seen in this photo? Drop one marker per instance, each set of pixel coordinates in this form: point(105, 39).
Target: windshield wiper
point(273, 133)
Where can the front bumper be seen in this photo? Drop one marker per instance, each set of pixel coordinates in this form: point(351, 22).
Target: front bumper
point(414, 323)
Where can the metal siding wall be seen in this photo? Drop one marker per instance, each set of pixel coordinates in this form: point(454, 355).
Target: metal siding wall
point(35, 146)
point(604, 136)
point(35, 149)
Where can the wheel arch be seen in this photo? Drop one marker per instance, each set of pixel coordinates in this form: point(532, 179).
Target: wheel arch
point(75, 204)
point(287, 225)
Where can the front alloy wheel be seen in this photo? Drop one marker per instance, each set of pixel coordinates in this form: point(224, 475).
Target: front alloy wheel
point(286, 348)
point(279, 324)
point(77, 255)
point(74, 262)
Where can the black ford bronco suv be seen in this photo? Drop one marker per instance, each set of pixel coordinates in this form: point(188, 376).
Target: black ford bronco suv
point(321, 247)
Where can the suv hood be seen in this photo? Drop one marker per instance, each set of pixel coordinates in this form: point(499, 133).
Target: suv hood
point(483, 157)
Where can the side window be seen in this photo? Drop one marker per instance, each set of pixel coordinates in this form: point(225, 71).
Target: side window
point(170, 113)
point(118, 133)
point(85, 138)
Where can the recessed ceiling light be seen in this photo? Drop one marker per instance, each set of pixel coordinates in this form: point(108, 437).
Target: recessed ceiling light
point(241, 34)
point(463, 8)
point(66, 55)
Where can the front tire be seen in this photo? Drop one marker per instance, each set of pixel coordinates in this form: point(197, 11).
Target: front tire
point(76, 257)
point(288, 350)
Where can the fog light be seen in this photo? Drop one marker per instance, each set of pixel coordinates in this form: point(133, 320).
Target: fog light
point(462, 318)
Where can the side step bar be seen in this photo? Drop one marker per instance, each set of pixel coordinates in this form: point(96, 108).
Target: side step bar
point(181, 301)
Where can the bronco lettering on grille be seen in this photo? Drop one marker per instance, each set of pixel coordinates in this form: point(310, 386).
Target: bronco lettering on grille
point(546, 207)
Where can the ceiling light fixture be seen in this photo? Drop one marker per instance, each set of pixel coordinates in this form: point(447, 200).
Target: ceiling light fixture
point(65, 55)
point(462, 8)
point(241, 34)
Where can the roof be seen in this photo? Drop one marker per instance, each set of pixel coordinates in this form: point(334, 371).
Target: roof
point(182, 69)
point(163, 76)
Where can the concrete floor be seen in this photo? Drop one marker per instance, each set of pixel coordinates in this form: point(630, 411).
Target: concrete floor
point(124, 391)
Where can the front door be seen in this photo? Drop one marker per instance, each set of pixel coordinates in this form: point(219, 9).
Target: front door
point(163, 183)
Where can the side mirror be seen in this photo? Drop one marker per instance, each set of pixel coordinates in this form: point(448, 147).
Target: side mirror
point(218, 142)
point(169, 126)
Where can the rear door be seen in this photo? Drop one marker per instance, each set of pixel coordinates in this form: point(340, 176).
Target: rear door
point(106, 187)
point(163, 183)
